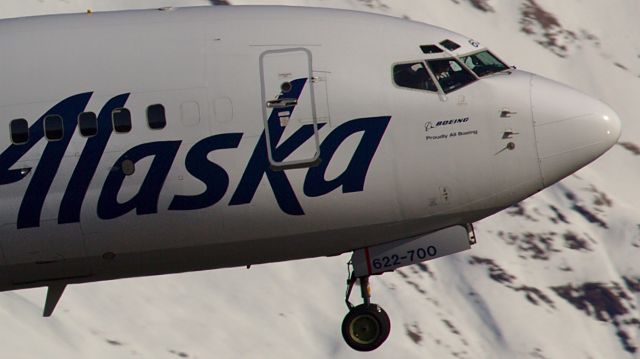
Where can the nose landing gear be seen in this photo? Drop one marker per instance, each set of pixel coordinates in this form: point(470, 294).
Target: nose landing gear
point(367, 325)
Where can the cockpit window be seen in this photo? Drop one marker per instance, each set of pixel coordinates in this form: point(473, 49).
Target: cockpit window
point(449, 45)
point(431, 49)
point(484, 63)
point(450, 74)
point(413, 76)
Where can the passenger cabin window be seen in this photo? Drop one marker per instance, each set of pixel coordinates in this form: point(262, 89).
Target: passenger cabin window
point(19, 131)
point(53, 129)
point(121, 118)
point(484, 63)
point(156, 117)
point(413, 76)
point(88, 124)
point(450, 74)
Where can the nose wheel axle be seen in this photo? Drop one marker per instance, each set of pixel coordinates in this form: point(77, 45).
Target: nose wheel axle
point(367, 325)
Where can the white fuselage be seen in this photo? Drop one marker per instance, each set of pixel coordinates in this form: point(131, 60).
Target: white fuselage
point(357, 160)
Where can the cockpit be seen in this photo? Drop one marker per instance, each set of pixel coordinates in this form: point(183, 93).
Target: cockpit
point(444, 71)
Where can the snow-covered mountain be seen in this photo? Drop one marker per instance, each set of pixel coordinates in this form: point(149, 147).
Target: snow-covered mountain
point(556, 276)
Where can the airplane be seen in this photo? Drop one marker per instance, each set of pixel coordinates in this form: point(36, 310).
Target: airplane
point(149, 142)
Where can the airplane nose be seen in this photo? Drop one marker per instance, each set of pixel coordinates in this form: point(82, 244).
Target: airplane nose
point(572, 129)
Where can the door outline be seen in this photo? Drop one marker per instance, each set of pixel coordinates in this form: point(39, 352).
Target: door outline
point(301, 163)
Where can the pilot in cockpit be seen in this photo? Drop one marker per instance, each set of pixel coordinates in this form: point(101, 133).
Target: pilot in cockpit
point(413, 75)
point(440, 69)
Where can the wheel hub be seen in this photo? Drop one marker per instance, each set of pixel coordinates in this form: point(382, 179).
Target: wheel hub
point(364, 329)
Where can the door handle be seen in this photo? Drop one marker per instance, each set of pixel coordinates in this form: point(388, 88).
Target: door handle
point(509, 134)
point(282, 103)
point(505, 113)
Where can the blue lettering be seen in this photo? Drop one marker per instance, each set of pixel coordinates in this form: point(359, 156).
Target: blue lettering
point(146, 200)
point(88, 163)
point(33, 200)
point(12, 154)
point(259, 164)
point(353, 177)
point(212, 175)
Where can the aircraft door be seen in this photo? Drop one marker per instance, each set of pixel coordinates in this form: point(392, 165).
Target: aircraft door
point(289, 107)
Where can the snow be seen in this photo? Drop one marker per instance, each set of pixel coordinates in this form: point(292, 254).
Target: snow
point(501, 299)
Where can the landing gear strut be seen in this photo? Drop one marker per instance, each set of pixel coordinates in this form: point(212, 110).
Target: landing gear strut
point(367, 325)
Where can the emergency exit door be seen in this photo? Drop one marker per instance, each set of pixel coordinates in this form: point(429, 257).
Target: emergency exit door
point(289, 108)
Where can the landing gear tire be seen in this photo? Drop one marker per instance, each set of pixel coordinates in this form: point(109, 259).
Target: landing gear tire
point(366, 327)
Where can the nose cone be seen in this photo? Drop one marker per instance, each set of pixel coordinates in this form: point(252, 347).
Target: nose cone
point(572, 129)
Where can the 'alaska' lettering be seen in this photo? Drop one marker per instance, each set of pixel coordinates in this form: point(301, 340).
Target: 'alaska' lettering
point(212, 175)
point(352, 179)
point(259, 164)
point(45, 172)
point(88, 163)
point(145, 200)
